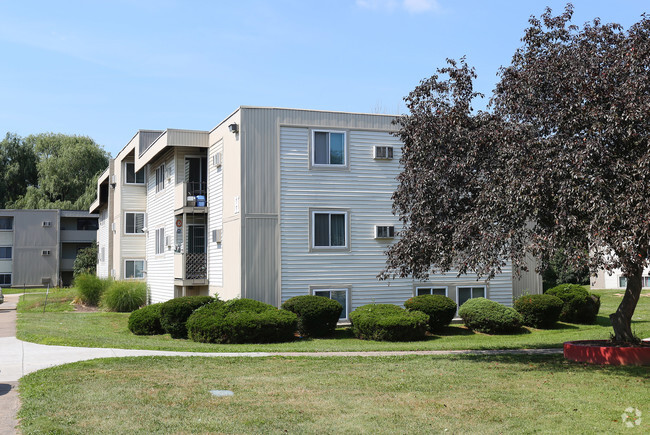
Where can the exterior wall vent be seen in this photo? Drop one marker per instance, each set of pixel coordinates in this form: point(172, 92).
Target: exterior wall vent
point(384, 231)
point(383, 153)
point(47, 224)
point(168, 240)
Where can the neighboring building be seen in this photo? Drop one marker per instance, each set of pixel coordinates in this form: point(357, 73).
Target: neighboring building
point(616, 279)
point(38, 247)
point(270, 204)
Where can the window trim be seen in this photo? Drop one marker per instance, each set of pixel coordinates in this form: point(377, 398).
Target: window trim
point(10, 279)
point(348, 290)
point(159, 241)
point(135, 175)
point(160, 178)
point(144, 267)
point(312, 230)
point(431, 286)
point(312, 153)
point(144, 222)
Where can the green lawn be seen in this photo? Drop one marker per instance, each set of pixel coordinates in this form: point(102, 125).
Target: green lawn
point(104, 329)
point(413, 394)
point(13, 291)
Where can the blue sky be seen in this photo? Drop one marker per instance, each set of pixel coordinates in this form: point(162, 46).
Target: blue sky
point(108, 68)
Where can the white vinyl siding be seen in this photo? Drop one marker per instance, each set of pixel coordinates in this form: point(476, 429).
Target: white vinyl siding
point(215, 218)
point(329, 229)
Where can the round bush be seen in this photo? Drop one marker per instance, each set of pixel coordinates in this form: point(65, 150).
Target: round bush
point(317, 315)
point(580, 306)
point(387, 322)
point(175, 312)
point(90, 287)
point(539, 311)
point(484, 315)
point(440, 309)
point(146, 321)
point(124, 296)
point(241, 321)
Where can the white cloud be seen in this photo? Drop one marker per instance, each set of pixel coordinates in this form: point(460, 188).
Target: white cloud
point(411, 6)
point(417, 6)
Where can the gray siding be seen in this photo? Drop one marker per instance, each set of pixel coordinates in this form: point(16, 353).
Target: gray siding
point(261, 277)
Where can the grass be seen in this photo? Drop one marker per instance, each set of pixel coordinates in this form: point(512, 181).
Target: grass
point(412, 394)
point(14, 291)
point(104, 329)
point(58, 300)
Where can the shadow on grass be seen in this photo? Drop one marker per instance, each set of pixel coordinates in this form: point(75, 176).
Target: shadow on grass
point(603, 321)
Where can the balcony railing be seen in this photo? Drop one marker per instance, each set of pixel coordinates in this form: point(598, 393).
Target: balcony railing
point(196, 266)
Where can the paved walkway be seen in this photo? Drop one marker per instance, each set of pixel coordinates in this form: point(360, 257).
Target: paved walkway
point(18, 358)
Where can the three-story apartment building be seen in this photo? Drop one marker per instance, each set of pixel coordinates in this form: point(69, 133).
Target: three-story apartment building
point(270, 204)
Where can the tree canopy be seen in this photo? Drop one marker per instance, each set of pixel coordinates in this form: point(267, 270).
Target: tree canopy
point(560, 162)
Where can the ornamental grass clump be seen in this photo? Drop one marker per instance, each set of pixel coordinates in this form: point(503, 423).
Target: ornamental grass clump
point(580, 306)
point(539, 311)
point(124, 296)
point(90, 287)
point(484, 315)
point(387, 322)
point(440, 309)
point(146, 320)
point(241, 321)
point(317, 315)
point(175, 312)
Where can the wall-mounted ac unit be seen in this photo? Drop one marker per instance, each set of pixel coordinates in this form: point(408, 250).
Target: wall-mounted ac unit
point(383, 153)
point(168, 240)
point(217, 159)
point(113, 226)
point(47, 224)
point(46, 252)
point(216, 236)
point(384, 231)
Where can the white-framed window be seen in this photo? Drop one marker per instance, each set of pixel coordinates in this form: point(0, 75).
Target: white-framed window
point(160, 178)
point(466, 293)
point(438, 290)
point(328, 148)
point(134, 223)
point(329, 229)
point(6, 223)
point(645, 281)
point(133, 177)
point(5, 252)
point(5, 279)
point(160, 241)
point(341, 295)
point(133, 269)
point(622, 282)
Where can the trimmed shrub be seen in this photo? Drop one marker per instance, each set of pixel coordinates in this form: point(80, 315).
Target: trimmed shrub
point(125, 296)
point(387, 322)
point(90, 287)
point(175, 312)
point(146, 320)
point(241, 321)
point(317, 315)
point(539, 311)
point(580, 306)
point(440, 309)
point(484, 315)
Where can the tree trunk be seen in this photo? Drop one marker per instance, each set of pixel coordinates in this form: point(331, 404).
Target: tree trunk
point(622, 318)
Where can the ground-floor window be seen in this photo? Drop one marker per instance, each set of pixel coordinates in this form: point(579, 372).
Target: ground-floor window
point(5, 279)
point(442, 291)
point(622, 281)
point(646, 281)
point(467, 293)
point(338, 294)
point(134, 269)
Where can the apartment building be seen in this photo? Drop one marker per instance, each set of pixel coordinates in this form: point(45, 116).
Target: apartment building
point(270, 204)
point(38, 247)
point(615, 279)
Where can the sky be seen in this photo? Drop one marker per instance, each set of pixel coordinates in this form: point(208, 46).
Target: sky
point(105, 69)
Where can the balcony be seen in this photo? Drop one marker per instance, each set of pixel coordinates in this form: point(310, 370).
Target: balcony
point(78, 236)
point(190, 269)
point(67, 264)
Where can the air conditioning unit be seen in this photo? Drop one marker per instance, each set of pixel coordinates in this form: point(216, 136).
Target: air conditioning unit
point(383, 153)
point(168, 172)
point(47, 224)
point(384, 231)
point(216, 236)
point(217, 159)
point(168, 240)
point(46, 252)
point(113, 226)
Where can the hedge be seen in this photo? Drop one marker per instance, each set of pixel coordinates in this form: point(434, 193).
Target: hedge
point(440, 309)
point(387, 322)
point(175, 312)
point(539, 311)
point(317, 315)
point(580, 306)
point(484, 315)
point(146, 320)
point(241, 321)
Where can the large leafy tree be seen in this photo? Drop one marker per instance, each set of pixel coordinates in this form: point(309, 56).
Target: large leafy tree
point(17, 168)
point(560, 163)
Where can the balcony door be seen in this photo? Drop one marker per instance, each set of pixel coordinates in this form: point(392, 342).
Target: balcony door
point(196, 239)
point(196, 175)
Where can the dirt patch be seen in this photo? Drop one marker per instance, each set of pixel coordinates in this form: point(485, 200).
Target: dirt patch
point(620, 295)
point(81, 308)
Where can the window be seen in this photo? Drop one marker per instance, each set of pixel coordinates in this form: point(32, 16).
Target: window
point(338, 294)
point(622, 282)
point(467, 293)
point(134, 269)
point(646, 281)
point(442, 291)
point(328, 148)
point(5, 252)
point(160, 241)
point(87, 224)
point(6, 223)
point(160, 178)
point(329, 229)
point(5, 279)
point(133, 177)
point(134, 223)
